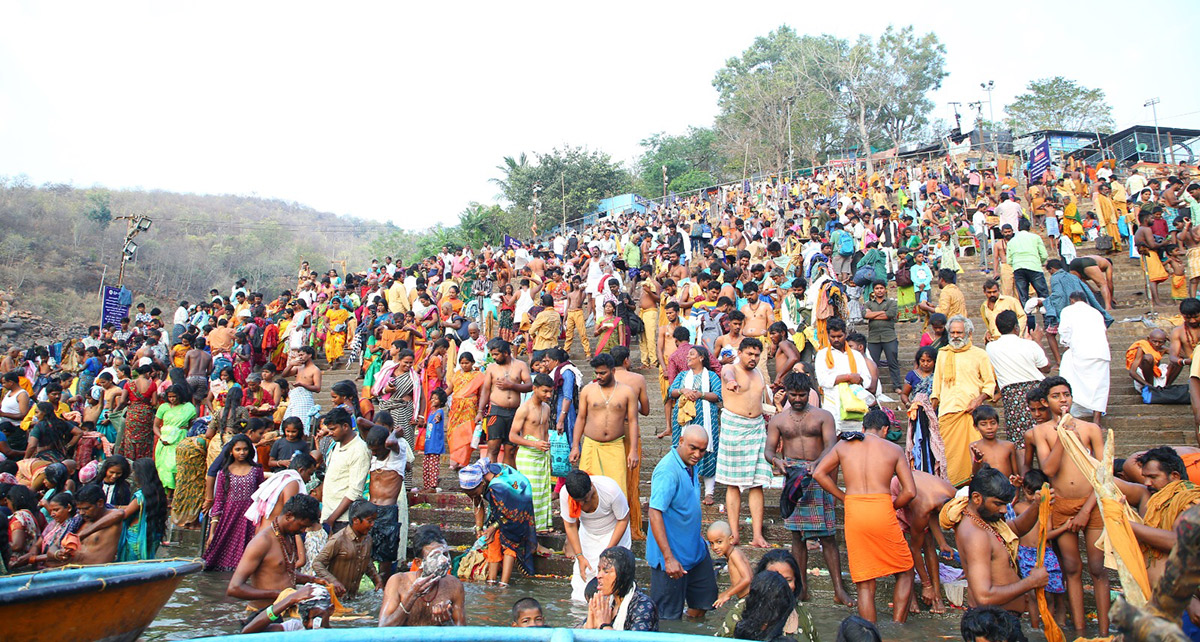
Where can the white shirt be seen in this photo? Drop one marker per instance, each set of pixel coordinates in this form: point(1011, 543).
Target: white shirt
point(1009, 212)
point(612, 507)
point(1081, 328)
point(1016, 360)
point(826, 378)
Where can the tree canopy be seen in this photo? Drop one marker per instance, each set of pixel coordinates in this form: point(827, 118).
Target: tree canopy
point(1059, 103)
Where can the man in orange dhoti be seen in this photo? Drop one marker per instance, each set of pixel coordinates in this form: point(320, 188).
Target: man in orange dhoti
point(963, 379)
point(875, 545)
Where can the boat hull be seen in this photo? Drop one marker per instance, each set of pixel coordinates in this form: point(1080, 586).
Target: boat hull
point(108, 603)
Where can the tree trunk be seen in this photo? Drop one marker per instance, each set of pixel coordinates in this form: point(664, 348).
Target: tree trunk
point(864, 139)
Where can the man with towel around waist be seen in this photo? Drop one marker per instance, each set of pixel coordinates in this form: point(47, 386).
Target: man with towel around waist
point(608, 412)
point(741, 458)
point(875, 545)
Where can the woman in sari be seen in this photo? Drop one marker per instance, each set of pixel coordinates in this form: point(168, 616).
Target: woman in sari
point(609, 329)
point(171, 423)
point(906, 292)
point(336, 318)
point(220, 389)
point(923, 444)
point(433, 374)
point(508, 303)
point(139, 415)
point(191, 462)
point(373, 357)
point(464, 400)
point(222, 427)
point(279, 355)
point(145, 521)
point(24, 525)
point(64, 520)
point(697, 391)
point(398, 389)
point(414, 336)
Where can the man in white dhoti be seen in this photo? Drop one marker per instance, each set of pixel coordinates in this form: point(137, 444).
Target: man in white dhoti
point(1085, 364)
point(838, 364)
point(595, 516)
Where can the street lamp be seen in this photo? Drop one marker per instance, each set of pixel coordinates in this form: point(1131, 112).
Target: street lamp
point(1153, 105)
point(992, 117)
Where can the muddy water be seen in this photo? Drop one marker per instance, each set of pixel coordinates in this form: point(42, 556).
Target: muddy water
point(199, 608)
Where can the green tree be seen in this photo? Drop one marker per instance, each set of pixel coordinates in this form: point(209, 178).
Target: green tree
point(1059, 103)
point(588, 175)
point(98, 207)
point(693, 154)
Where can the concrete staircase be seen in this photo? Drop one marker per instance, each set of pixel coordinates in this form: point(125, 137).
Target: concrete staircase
point(1136, 426)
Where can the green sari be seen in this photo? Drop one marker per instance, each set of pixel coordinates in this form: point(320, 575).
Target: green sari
point(137, 542)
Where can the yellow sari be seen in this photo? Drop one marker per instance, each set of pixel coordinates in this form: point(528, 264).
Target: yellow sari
point(335, 340)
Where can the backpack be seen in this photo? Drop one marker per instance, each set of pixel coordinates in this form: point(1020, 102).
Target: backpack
point(845, 244)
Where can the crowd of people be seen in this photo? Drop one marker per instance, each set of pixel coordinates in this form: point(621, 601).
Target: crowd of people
point(751, 324)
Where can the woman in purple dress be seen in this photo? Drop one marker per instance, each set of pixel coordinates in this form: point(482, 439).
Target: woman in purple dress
point(229, 530)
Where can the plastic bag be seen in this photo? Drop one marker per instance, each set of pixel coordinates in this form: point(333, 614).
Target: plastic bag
point(560, 454)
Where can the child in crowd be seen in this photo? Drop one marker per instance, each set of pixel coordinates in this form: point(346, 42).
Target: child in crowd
point(1027, 553)
point(347, 555)
point(530, 432)
point(527, 613)
point(292, 443)
point(997, 453)
point(435, 440)
point(720, 540)
point(921, 277)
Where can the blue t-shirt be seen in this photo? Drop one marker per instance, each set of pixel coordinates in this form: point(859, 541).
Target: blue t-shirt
point(674, 493)
point(93, 365)
point(435, 433)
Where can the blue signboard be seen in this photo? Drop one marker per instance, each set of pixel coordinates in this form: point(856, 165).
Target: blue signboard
point(111, 309)
point(1039, 159)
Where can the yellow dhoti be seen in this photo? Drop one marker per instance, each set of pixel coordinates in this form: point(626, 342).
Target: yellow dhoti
point(607, 458)
point(633, 493)
point(648, 344)
point(1153, 267)
point(958, 431)
point(1007, 284)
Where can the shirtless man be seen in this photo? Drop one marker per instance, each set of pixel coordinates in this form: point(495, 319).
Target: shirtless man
point(576, 316)
point(503, 383)
point(307, 383)
point(875, 545)
point(992, 577)
point(648, 298)
point(785, 352)
point(678, 270)
point(113, 398)
point(608, 412)
point(97, 542)
point(759, 314)
point(806, 432)
point(1096, 270)
point(430, 596)
point(637, 382)
point(269, 563)
point(1075, 503)
point(530, 433)
point(741, 458)
point(306, 467)
point(198, 364)
point(932, 493)
point(726, 345)
point(1145, 241)
point(1184, 338)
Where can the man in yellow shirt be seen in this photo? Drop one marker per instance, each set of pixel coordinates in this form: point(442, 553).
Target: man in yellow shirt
point(951, 301)
point(545, 328)
point(996, 303)
point(397, 297)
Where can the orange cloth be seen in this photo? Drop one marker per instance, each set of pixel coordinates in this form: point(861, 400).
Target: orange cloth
point(1053, 633)
point(1124, 542)
point(633, 477)
point(1063, 510)
point(494, 552)
point(875, 545)
point(1191, 461)
point(1153, 266)
point(1146, 348)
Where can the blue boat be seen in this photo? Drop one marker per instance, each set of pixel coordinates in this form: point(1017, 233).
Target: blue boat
point(459, 634)
point(104, 603)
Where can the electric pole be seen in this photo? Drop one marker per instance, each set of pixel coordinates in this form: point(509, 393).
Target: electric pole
point(134, 225)
point(992, 117)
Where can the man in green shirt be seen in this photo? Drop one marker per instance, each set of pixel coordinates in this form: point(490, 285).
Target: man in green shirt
point(1026, 255)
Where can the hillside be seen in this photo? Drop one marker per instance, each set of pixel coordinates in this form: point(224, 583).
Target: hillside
point(56, 241)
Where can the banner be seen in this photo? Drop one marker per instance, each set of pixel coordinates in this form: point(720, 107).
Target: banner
point(111, 309)
point(510, 242)
point(1039, 159)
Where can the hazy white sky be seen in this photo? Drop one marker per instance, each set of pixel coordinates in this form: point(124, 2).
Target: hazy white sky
point(401, 111)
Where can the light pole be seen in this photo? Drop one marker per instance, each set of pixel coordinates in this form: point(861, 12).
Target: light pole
point(1153, 105)
point(136, 224)
point(992, 117)
point(788, 101)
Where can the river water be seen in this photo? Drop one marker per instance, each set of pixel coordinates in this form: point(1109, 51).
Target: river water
point(199, 608)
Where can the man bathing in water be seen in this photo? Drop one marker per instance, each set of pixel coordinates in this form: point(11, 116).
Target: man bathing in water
point(429, 596)
point(503, 383)
point(269, 564)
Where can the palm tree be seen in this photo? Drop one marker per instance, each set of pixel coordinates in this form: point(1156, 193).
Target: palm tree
point(510, 167)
